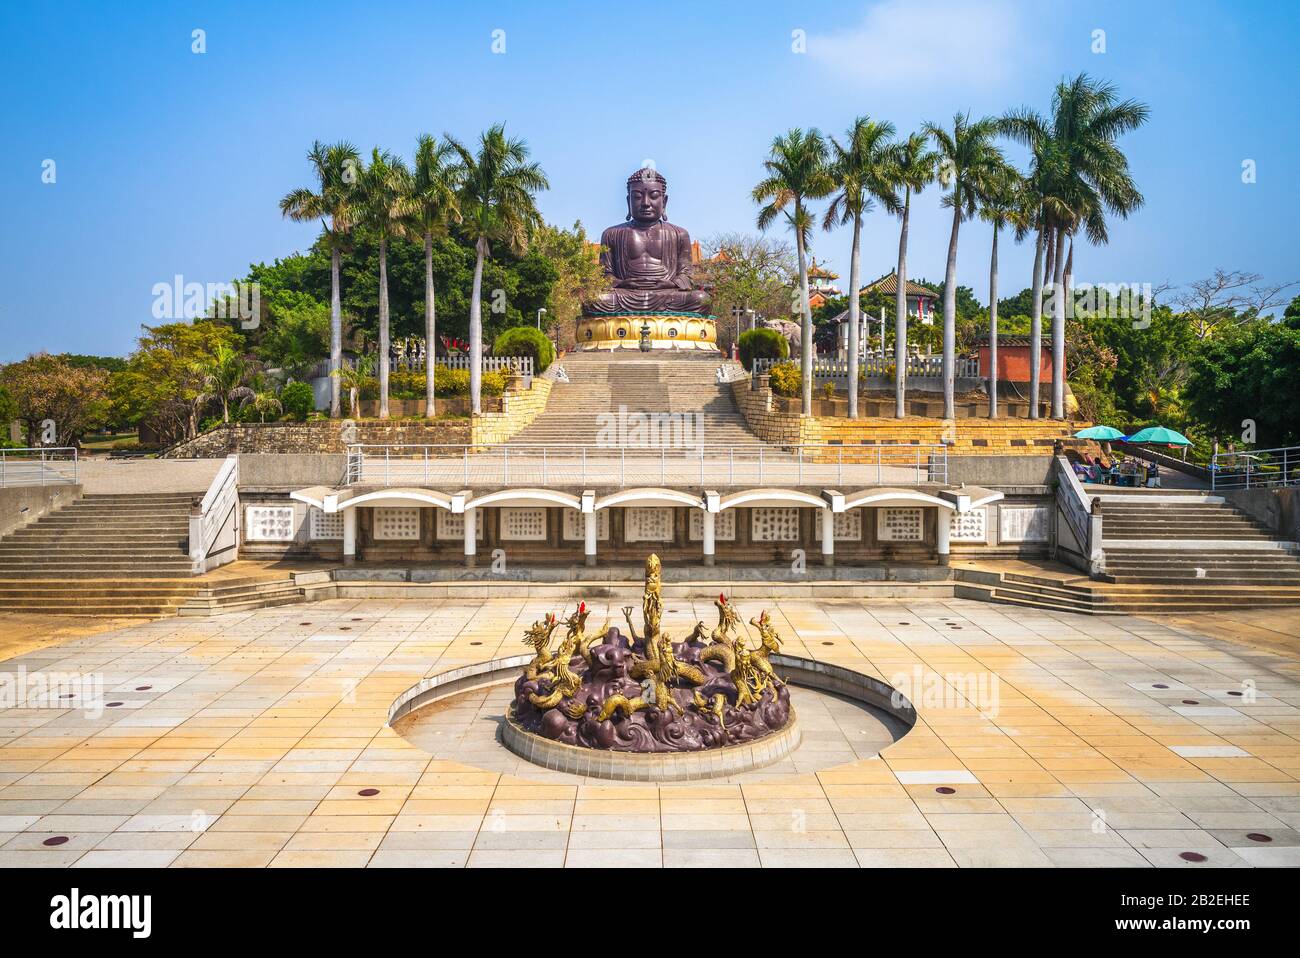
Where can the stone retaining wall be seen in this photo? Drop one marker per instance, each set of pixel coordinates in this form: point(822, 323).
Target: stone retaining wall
point(518, 409)
point(776, 419)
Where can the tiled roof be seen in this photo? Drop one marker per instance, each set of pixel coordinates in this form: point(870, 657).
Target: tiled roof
point(889, 284)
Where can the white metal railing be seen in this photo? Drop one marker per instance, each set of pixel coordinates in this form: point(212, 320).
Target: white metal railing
point(517, 464)
point(214, 524)
point(1259, 467)
point(38, 466)
point(918, 367)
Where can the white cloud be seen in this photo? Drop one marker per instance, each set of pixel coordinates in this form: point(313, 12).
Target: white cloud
point(928, 44)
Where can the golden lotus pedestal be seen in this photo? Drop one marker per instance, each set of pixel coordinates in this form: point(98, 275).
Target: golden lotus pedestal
point(666, 331)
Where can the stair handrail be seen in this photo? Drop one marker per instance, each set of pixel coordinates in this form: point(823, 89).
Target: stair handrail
point(209, 517)
point(1082, 514)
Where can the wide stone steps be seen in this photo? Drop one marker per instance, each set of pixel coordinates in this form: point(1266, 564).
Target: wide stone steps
point(1132, 599)
point(242, 598)
point(122, 596)
point(133, 537)
point(600, 383)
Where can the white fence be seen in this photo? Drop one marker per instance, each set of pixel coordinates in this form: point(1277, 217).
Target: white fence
point(918, 367)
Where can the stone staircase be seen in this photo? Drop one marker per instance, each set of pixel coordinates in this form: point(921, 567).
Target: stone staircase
point(124, 555)
point(1189, 538)
point(1077, 593)
point(1166, 551)
point(639, 383)
point(151, 598)
point(104, 536)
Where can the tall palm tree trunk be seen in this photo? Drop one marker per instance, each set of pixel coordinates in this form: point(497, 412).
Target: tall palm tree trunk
point(950, 320)
point(430, 327)
point(476, 330)
point(1036, 327)
point(805, 335)
point(993, 327)
point(854, 309)
point(1058, 329)
point(900, 316)
point(383, 329)
point(336, 334)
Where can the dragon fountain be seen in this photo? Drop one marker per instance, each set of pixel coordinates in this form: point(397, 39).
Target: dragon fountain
point(645, 692)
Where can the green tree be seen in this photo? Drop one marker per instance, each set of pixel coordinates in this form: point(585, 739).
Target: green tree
point(434, 208)
point(915, 166)
point(45, 388)
point(1083, 175)
point(295, 334)
point(861, 168)
point(796, 173)
point(223, 374)
point(264, 403)
point(358, 376)
point(385, 208)
point(579, 276)
point(1248, 374)
point(497, 202)
point(969, 166)
point(337, 167)
point(749, 276)
point(163, 381)
point(997, 208)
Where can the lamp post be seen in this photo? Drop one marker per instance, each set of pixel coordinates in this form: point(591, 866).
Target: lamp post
point(539, 317)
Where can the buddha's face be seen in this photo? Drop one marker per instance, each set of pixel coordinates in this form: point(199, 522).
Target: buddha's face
point(646, 201)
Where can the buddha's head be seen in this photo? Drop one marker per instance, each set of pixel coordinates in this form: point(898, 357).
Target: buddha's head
point(647, 197)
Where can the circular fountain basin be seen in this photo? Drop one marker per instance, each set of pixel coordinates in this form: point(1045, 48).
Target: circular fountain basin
point(845, 716)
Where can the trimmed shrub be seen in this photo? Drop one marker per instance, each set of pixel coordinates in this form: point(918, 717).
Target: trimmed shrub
point(455, 382)
point(526, 341)
point(786, 380)
point(761, 344)
point(450, 382)
point(298, 401)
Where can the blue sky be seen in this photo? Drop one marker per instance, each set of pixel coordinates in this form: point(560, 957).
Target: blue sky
point(173, 162)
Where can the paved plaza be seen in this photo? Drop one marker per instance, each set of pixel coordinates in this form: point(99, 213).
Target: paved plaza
point(260, 739)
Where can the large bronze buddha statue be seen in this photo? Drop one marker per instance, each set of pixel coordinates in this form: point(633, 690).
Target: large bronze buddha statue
point(649, 262)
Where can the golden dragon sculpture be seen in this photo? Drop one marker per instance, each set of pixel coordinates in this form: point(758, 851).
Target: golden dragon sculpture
point(539, 637)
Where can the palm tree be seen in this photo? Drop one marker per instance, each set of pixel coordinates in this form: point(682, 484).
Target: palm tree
point(434, 206)
point(969, 162)
point(222, 374)
point(336, 167)
point(1084, 176)
point(862, 171)
point(796, 173)
point(999, 208)
point(497, 203)
point(356, 377)
point(914, 169)
point(263, 403)
point(386, 204)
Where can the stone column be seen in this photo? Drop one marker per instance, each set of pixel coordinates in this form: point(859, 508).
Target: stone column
point(471, 537)
point(589, 529)
point(828, 537)
point(709, 549)
point(349, 536)
point(941, 534)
